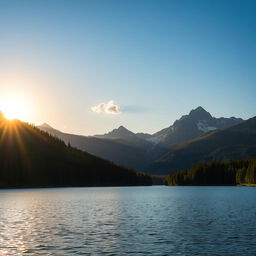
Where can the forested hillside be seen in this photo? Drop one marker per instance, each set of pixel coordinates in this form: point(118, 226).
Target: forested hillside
point(237, 172)
point(30, 157)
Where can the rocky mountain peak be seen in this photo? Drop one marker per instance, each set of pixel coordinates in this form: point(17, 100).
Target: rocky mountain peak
point(120, 132)
point(200, 114)
point(122, 128)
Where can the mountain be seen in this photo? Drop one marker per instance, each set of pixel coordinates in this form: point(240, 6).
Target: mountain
point(118, 133)
point(141, 151)
point(235, 142)
point(117, 149)
point(30, 157)
point(190, 126)
point(125, 136)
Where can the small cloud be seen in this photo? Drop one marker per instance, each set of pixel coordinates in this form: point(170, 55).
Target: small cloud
point(108, 108)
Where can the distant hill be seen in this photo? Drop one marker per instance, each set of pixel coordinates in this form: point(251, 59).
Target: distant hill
point(30, 157)
point(123, 135)
point(118, 150)
point(236, 142)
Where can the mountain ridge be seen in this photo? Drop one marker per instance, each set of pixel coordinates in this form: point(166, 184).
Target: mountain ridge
point(141, 151)
point(231, 143)
point(197, 122)
point(116, 150)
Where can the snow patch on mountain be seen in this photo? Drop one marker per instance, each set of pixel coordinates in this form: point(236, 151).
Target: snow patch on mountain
point(203, 126)
point(154, 140)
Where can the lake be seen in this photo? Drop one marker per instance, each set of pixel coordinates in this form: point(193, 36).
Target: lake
point(154, 220)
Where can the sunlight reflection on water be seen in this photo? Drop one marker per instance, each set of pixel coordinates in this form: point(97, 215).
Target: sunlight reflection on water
point(128, 221)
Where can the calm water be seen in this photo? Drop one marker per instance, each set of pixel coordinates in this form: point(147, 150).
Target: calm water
point(128, 221)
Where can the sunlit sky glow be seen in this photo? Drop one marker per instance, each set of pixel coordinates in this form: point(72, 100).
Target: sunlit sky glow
point(15, 106)
point(154, 60)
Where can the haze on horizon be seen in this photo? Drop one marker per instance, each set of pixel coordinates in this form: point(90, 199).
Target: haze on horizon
point(87, 67)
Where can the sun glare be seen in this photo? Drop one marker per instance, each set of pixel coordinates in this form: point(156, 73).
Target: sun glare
point(14, 107)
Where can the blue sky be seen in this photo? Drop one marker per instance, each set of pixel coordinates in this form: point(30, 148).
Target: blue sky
point(155, 59)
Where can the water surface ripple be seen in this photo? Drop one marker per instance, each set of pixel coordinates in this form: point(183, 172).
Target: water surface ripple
point(128, 221)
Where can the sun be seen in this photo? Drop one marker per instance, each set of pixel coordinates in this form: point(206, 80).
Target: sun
point(14, 107)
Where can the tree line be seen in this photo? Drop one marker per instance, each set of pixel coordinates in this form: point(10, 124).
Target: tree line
point(233, 172)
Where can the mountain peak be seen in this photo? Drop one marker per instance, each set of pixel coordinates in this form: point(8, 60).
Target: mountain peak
point(200, 113)
point(122, 128)
point(119, 132)
point(45, 125)
point(200, 108)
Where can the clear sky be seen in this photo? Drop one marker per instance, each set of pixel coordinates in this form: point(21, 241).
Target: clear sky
point(149, 61)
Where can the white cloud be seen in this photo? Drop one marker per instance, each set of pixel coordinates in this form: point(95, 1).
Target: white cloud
point(108, 108)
